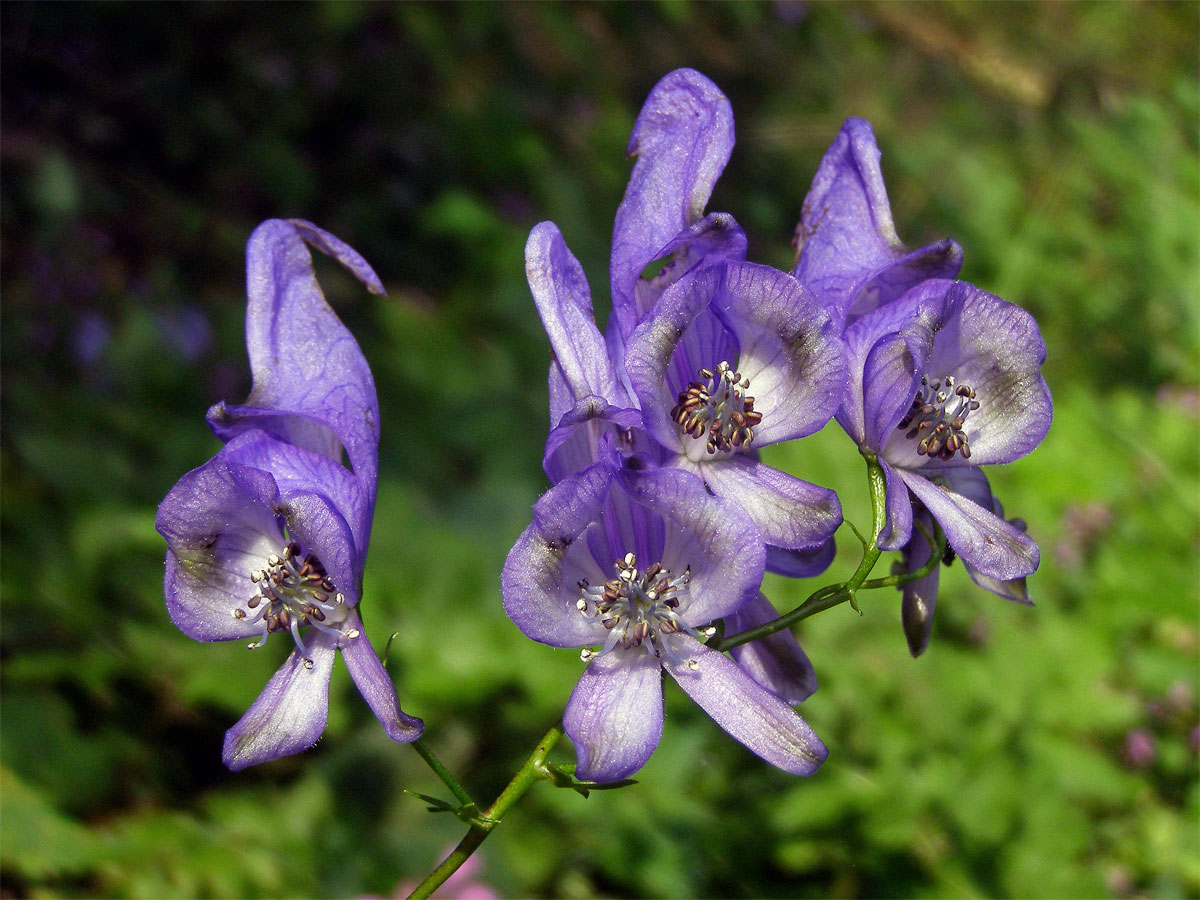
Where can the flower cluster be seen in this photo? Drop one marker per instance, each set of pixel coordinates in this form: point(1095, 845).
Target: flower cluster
point(661, 518)
point(270, 535)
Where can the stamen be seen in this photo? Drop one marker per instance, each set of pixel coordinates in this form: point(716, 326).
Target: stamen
point(718, 407)
point(638, 608)
point(938, 416)
point(292, 595)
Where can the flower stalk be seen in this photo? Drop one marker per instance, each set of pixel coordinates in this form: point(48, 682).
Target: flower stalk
point(533, 770)
point(835, 594)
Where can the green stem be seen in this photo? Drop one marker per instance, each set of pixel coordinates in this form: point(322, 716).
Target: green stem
point(459, 792)
point(533, 770)
point(833, 594)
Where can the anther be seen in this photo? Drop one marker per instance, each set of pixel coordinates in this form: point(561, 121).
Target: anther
point(936, 422)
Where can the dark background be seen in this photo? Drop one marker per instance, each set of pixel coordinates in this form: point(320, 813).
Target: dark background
point(1030, 752)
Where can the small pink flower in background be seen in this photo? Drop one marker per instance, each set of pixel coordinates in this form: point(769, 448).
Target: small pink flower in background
point(1140, 748)
point(462, 885)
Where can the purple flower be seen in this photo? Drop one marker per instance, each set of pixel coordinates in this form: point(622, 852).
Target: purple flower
point(850, 256)
point(271, 534)
point(734, 357)
point(638, 560)
point(682, 140)
point(698, 328)
point(942, 380)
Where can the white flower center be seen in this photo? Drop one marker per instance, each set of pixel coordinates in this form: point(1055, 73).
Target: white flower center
point(938, 416)
point(292, 593)
point(717, 410)
point(638, 607)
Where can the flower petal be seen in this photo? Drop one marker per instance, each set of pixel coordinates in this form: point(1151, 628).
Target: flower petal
point(656, 370)
point(682, 140)
point(574, 444)
point(850, 255)
point(372, 681)
point(220, 523)
point(897, 530)
point(615, 715)
point(789, 512)
point(745, 709)
point(564, 302)
point(311, 383)
point(776, 662)
point(995, 347)
point(788, 350)
point(296, 469)
point(714, 238)
point(808, 562)
point(290, 713)
point(887, 352)
point(538, 582)
point(971, 483)
point(978, 535)
point(715, 538)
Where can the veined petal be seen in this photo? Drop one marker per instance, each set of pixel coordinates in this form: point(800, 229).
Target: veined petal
point(615, 715)
point(941, 259)
point(372, 681)
point(682, 140)
point(995, 347)
point(970, 482)
point(849, 253)
point(564, 302)
point(318, 526)
point(887, 352)
point(311, 383)
point(712, 536)
point(789, 512)
point(978, 535)
point(898, 508)
point(776, 662)
point(574, 444)
point(714, 238)
point(650, 353)
point(539, 582)
point(290, 713)
point(745, 709)
point(296, 469)
point(220, 523)
point(788, 350)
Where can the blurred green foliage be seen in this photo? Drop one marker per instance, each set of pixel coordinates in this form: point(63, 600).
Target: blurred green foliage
point(1057, 142)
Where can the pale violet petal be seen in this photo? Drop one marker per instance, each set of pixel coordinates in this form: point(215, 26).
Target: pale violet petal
point(615, 714)
point(290, 713)
point(745, 709)
point(376, 687)
point(789, 512)
point(978, 535)
point(777, 661)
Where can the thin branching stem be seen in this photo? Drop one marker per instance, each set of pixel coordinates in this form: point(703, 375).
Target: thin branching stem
point(532, 771)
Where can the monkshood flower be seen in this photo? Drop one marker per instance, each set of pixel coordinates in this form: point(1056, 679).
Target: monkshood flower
point(944, 379)
point(849, 254)
point(271, 534)
point(733, 357)
point(698, 328)
point(638, 560)
point(589, 402)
